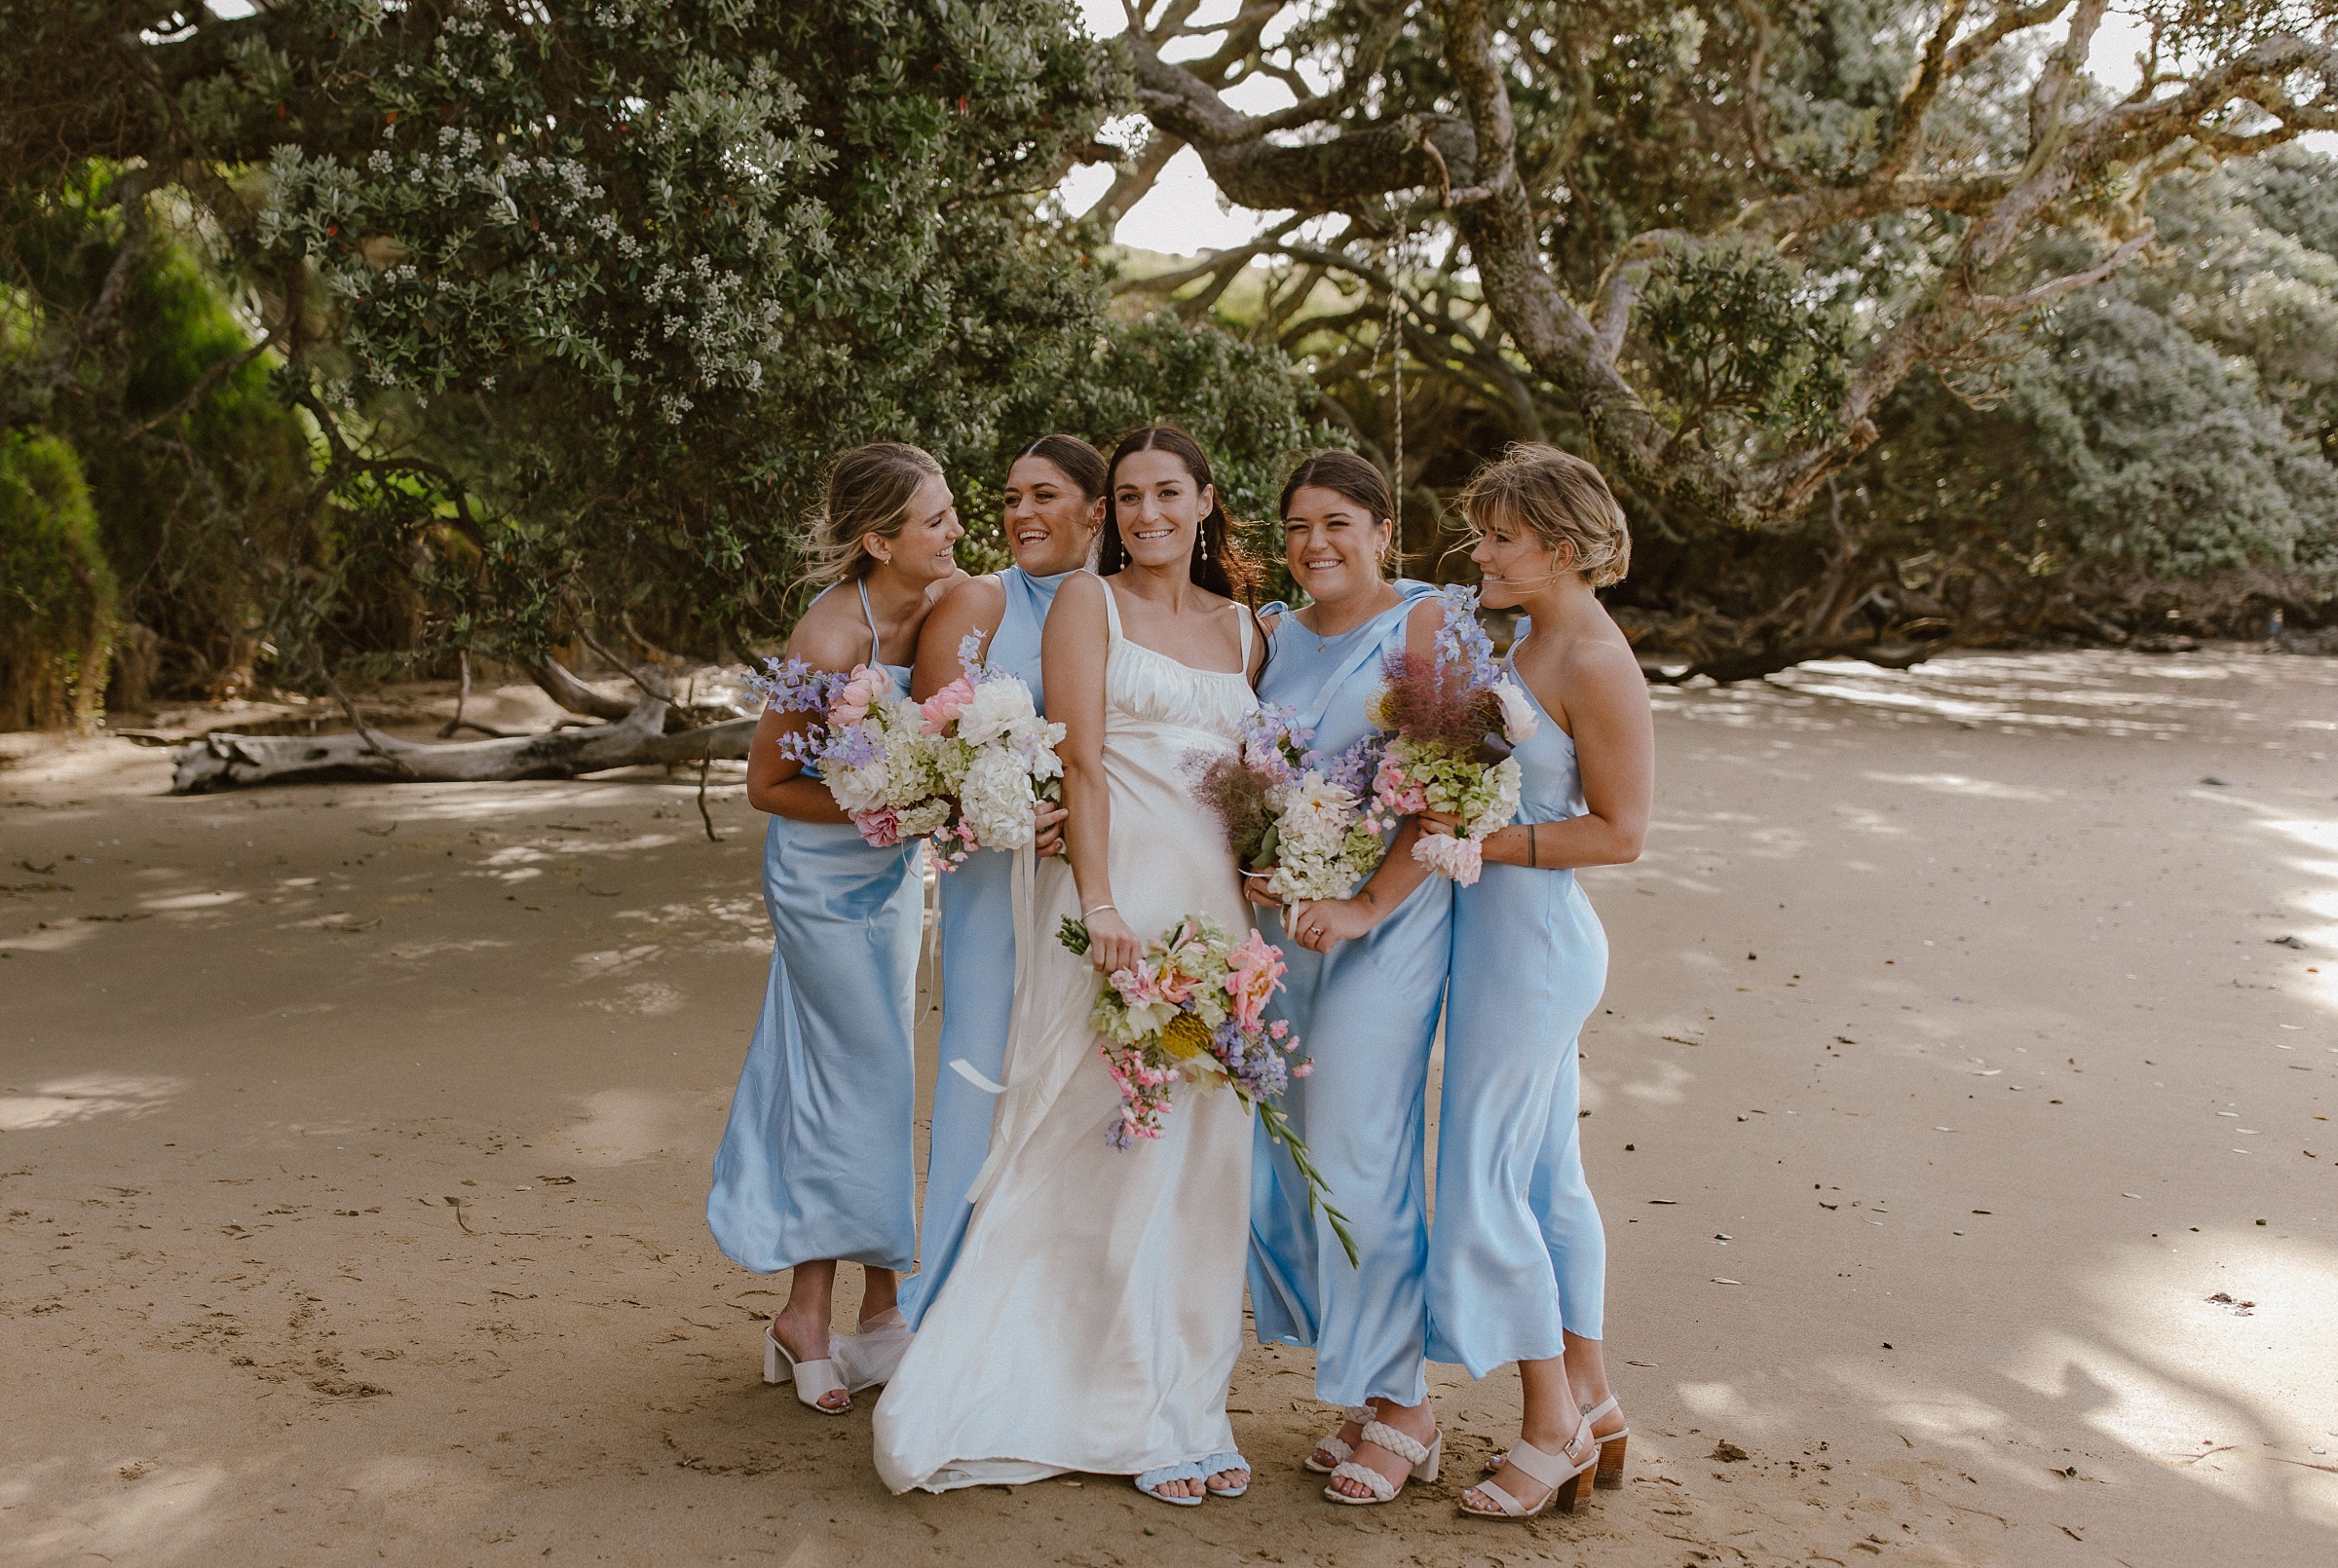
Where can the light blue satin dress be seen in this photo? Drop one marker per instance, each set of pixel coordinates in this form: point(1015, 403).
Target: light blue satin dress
point(1517, 1256)
point(818, 1160)
point(1366, 1016)
point(978, 982)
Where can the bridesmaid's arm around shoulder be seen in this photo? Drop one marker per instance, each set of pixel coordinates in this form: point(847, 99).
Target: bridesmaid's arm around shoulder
point(968, 605)
point(776, 782)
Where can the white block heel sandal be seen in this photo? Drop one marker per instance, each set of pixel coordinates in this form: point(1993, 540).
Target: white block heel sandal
point(1424, 1458)
point(814, 1380)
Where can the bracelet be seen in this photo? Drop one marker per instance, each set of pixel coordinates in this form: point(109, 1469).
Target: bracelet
point(1530, 855)
point(1098, 910)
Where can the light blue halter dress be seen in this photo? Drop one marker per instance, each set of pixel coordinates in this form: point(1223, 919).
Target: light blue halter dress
point(818, 1161)
point(1366, 1016)
point(978, 982)
point(1517, 1254)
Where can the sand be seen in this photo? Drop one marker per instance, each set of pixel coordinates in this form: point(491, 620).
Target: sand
point(1963, 1135)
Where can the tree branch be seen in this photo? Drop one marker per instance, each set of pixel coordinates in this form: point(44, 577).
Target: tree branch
point(204, 385)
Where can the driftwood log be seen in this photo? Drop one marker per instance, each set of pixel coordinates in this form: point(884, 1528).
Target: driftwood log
point(228, 762)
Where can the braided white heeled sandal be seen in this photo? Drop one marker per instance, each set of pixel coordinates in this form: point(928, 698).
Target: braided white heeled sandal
point(1424, 1458)
point(815, 1381)
point(1223, 1462)
point(1340, 1452)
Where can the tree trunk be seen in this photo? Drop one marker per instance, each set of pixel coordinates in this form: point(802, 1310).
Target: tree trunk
point(224, 761)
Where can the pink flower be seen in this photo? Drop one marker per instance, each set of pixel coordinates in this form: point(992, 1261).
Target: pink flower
point(1396, 792)
point(1252, 970)
point(880, 829)
point(942, 709)
point(851, 704)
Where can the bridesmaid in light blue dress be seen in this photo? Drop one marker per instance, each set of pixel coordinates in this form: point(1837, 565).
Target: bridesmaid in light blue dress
point(816, 1165)
point(1054, 507)
point(1366, 982)
point(1512, 1254)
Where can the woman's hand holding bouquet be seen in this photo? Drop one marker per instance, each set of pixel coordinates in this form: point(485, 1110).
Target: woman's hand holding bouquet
point(1455, 719)
point(1194, 1006)
point(867, 742)
point(1303, 825)
point(995, 755)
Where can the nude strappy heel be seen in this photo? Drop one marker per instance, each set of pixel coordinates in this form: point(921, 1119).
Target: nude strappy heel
point(1610, 1474)
point(815, 1381)
point(1424, 1458)
point(1363, 1415)
point(1568, 1479)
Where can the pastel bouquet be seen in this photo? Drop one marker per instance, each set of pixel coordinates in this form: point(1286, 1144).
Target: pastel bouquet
point(994, 755)
point(1195, 1008)
point(1452, 721)
point(869, 743)
point(1308, 820)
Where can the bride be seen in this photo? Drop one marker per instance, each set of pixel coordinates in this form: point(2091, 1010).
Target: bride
point(1093, 1316)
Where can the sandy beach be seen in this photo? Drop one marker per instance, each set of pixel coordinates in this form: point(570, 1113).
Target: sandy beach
point(1960, 1109)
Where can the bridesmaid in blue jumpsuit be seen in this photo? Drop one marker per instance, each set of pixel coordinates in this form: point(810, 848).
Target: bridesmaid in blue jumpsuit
point(816, 1164)
point(1054, 507)
point(1516, 1267)
point(1366, 981)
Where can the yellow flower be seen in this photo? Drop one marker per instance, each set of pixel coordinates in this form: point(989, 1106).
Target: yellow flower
point(1185, 1036)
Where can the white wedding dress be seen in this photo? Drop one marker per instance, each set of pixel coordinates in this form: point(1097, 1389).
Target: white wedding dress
point(1093, 1318)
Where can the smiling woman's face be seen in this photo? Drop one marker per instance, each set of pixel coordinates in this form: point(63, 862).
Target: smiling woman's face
point(1159, 506)
point(1513, 561)
point(925, 550)
point(1333, 545)
point(1050, 525)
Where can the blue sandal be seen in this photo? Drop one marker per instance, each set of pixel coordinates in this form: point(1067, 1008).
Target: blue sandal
point(1152, 1479)
point(1229, 1461)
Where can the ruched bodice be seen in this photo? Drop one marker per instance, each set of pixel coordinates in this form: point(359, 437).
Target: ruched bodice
point(1145, 689)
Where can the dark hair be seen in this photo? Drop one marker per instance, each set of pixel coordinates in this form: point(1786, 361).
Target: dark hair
point(1217, 563)
point(869, 492)
point(1344, 473)
point(1080, 463)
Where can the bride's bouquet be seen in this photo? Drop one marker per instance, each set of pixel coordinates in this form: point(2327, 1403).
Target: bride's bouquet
point(1311, 819)
point(994, 755)
point(1195, 1007)
point(1453, 720)
point(869, 743)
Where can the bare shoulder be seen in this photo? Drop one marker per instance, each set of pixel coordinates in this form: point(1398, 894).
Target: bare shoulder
point(829, 639)
point(974, 597)
point(1601, 661)
point(939, 592)
point(1082, 593)
point(1422, 622)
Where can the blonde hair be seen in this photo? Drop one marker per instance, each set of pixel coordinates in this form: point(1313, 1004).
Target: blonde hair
point(869, 492)
point(1560, 500)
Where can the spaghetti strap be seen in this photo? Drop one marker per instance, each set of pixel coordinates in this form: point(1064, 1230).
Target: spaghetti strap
point(876, 647)
point(1111, 612)
point(1243, 611)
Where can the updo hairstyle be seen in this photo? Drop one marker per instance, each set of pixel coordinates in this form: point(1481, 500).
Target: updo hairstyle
point(1560, 500)
point(869, 492)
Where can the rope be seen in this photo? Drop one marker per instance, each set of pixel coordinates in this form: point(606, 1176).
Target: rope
point(1396, 368)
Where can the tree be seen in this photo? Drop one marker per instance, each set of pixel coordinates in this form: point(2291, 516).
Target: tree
point(574, 299)
point(1711, 243)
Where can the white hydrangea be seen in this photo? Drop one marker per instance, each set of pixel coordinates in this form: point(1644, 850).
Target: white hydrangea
point(996, 705)
point(1505, 778)
point(996, 797)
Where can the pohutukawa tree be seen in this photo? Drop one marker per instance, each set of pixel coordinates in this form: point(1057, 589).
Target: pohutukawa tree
point(1713, 241)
